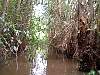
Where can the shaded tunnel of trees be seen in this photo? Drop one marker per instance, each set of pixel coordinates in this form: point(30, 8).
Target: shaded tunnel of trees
point(70, 28)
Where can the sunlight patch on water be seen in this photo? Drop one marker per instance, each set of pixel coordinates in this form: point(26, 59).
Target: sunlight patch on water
point(40, 65)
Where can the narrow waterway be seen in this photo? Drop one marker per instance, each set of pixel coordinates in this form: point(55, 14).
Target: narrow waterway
point(58, 66)
point(19, 66)
point(39, 66)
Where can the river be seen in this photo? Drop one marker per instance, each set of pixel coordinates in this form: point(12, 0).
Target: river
point(39, 66)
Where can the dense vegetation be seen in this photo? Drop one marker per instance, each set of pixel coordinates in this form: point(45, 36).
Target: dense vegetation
point(70, 27)
point(23, 27)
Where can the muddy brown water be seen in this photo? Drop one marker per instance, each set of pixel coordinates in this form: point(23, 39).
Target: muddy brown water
point(39, 66)
point(60, 67)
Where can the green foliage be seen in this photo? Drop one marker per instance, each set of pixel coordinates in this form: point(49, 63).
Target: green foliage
point(1, 43)
point(37, 36)
point(1, 6)
point(17, 20)
point(93, 72)
point(10, 30)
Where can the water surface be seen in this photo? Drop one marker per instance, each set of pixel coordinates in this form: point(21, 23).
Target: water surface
point(40, 66)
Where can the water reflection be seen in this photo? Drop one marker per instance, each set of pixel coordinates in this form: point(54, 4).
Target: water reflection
point(39, 65)
point(58, 66)
point(21, 66)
